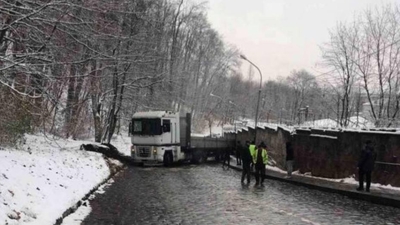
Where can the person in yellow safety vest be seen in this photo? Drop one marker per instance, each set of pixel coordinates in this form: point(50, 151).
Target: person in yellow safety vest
point(252, 149)
point(260, 159)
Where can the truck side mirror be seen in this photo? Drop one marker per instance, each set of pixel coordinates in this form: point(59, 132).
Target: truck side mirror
point(166, 127)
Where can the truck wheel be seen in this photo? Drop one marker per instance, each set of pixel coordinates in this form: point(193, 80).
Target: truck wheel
point(197, 157)
point(205, 158)
point(201, 159)
point(167, 159)
point(217, 157)
point(194, 160)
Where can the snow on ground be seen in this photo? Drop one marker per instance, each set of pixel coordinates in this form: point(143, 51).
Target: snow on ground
point(320, 123)
point(360, 122)
point(122, 143)
point(79, 215)
point(84, 210)
point(274, 168)
point(348, 180)
point(198, 135)
point(217, 130)
point(44, 177)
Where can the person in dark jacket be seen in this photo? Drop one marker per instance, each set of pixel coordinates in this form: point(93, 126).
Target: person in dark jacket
point(238, 152)
point(246, 161)
point(226, 158)
point(366, 165)
point(289, 159)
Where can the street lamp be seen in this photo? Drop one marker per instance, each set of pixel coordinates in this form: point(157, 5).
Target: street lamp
point(234, 122)
point(259, 93)
point(232, 103)
point(212, 95)
point(209, 119)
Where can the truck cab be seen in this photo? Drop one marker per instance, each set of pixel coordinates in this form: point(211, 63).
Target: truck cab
point(155, 137)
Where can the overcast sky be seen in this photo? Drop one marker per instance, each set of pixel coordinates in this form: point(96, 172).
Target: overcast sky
point(282, 35)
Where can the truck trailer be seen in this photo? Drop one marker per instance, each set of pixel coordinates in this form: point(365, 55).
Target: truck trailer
point(164, 137)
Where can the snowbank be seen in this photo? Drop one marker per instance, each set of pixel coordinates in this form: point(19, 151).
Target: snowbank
point(348, 180)
point(44, 177)
point(84, 210)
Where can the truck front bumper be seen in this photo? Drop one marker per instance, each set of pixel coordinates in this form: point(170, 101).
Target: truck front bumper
point(148, 161)
point(151, 163)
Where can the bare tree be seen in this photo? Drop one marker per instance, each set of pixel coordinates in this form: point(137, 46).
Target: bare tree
point(339, 54)
point(378, 63)
point(302, 83)
point(78, 65)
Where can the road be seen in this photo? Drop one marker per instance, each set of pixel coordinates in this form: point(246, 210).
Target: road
point(207, 194)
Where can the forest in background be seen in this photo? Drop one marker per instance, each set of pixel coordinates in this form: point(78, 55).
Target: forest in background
point(82, 68)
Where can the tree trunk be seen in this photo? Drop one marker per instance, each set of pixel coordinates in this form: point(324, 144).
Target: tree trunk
point(70, 101)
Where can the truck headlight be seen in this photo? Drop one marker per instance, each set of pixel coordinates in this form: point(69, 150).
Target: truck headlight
point(133, 150)
point(154, 151)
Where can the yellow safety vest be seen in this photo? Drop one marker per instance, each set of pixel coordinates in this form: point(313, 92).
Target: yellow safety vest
point(252, 149)
point(264, 155)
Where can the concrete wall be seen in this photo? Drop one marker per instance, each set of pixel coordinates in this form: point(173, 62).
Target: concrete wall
point(274, 139)
point(332, 153)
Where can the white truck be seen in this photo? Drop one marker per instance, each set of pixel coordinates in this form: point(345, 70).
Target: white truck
point(164, 137)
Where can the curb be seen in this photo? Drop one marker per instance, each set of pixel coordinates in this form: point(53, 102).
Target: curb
point(373, 198)
point(75, 207)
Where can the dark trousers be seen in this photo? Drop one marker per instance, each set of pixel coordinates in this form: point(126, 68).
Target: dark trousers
point(367, 174)
point(238, 158)
point(246, 171)
point(260, 173)
point(227, 160)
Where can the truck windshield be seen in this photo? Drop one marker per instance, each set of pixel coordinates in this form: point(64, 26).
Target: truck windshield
point(146, 126)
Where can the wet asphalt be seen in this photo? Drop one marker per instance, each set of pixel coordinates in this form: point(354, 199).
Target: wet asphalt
point(208, 194)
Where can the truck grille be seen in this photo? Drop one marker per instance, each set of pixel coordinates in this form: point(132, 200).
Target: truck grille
point(144, 151)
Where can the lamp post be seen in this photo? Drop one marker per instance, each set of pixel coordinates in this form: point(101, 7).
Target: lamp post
point(212, 95)
point(234, 123)
point(234, 117)
point(209, 119)
point(259, 94)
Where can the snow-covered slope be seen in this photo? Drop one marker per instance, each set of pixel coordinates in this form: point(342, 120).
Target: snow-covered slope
point(44, 177)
